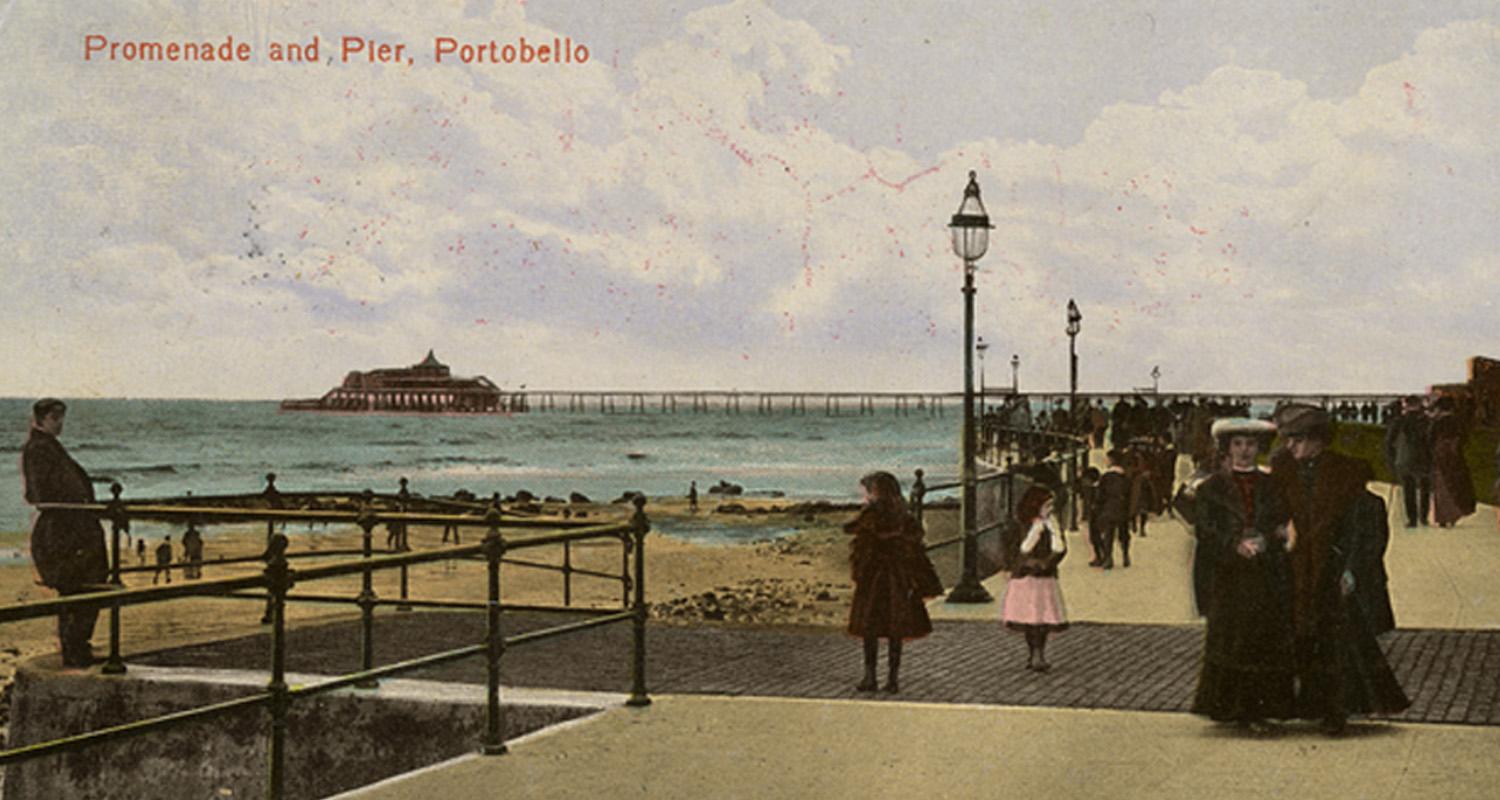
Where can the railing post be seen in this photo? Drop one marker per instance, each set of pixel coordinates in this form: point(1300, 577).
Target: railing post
point(1074, 495)
point(567, 573)
point(404, 547)
point(918, 497)
point(119, 523)
point(639, 526)
point(367, 522)
point(278, 581)
point(494, 729)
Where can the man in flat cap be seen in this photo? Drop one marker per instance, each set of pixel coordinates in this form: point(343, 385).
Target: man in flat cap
point(1408, 452)
point(1339, 598)
point(67, 547)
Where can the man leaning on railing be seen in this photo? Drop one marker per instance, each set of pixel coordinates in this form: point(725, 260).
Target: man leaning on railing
point(67, 547)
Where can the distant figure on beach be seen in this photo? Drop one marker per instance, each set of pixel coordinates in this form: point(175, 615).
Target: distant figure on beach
point(163, 560)
point(67, 547)
point(891, 575)
point(1452, 483)
point(692, 495)
point(1243, 588)
point(1033, 603)
point(140, 551)
point(192, 553)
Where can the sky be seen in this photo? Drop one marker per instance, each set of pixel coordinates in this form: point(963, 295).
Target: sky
point(750, 195)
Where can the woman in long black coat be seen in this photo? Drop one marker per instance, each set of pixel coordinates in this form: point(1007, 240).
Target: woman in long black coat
point(1248, 656)
point(891, 577)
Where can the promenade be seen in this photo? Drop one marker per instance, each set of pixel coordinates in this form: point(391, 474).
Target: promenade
point(771, 712)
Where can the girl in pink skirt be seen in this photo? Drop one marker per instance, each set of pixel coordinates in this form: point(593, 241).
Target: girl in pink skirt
point(1033, 602)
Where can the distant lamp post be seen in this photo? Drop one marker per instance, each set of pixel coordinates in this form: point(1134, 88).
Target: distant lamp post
point(971, 238)
point(1156, 380)
point(1015, 374)
point(984, 405)
point(1075, 324)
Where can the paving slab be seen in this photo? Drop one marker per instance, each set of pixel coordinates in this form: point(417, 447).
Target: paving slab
point(697, 747)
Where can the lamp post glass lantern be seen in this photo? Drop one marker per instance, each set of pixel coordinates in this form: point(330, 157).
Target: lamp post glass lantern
point(971, 239)
point(1015, 373)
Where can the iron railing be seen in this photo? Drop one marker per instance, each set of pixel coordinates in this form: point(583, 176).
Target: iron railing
point(275, 582)
point(1008, 451)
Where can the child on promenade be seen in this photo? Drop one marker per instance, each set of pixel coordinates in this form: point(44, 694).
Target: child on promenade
point(1033, 602)
point(891, 577)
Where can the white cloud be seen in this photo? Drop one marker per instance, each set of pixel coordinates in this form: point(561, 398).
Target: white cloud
point(687, 218)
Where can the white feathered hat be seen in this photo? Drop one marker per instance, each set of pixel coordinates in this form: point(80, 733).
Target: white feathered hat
point(1241, 426)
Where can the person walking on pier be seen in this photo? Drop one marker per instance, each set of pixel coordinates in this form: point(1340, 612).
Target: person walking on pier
point(67, 547)
point(1033, 603)
point(892, 577)
point(1408, 453)
point(1338, 534)
point(140, 551)
point(1242, 588)
point(1452, 483)
point(1110, 519)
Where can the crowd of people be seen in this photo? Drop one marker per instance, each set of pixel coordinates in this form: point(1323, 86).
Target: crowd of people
point(1289, 567)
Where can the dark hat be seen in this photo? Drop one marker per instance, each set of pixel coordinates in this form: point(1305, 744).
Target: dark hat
point(1301, 419)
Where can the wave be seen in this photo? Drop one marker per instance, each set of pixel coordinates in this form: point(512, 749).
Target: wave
point(495, 460)
point(146, 469)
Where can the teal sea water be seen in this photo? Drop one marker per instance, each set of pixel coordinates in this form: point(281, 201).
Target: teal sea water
point(171, 447)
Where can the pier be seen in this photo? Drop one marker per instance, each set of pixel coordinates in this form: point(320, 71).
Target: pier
point(731, 401)
point(859, 403)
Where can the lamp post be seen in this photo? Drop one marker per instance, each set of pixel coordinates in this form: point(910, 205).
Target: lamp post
point(1015, 374)
point(1075, 324)
point(971, 238)
point(1156, 380)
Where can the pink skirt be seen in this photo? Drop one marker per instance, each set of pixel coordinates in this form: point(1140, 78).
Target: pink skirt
point(1033, 601)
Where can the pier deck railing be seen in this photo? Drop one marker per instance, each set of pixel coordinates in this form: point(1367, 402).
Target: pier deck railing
point(1009, 455)
point(274, 584)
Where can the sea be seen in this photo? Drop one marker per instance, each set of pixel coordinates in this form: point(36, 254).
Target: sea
point(157, 448)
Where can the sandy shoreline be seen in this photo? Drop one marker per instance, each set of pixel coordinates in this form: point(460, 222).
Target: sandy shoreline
point(799, 577)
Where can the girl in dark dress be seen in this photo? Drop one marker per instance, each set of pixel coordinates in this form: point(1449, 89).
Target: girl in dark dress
point(891, 576)
point(1248, 656)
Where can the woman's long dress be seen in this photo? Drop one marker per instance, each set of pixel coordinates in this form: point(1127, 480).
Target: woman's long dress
point(1248, 654)
point(1452, 483)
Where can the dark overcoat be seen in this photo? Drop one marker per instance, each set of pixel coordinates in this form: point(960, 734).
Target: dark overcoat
point(888, 563)
point(67, 547)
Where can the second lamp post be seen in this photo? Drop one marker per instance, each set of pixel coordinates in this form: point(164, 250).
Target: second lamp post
point(971, 238)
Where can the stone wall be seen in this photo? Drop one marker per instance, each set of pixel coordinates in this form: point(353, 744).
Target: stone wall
point(335, 742)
